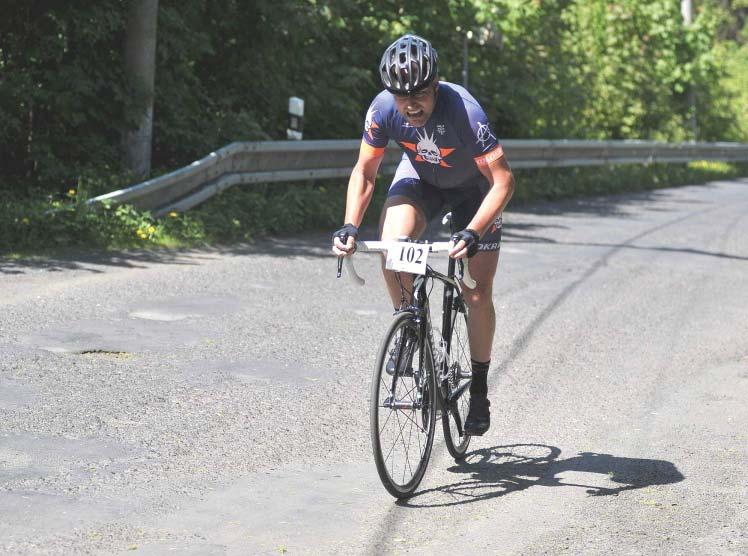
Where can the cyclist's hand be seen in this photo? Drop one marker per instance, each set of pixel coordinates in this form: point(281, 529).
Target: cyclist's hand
point(344, 240)
point(466, 244)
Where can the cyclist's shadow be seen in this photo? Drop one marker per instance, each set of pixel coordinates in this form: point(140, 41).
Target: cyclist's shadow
point(493, 472)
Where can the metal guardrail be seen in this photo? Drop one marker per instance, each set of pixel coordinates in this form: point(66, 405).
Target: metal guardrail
point(287, 161)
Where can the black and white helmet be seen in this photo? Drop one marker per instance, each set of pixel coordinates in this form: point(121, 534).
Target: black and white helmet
point(408, 65)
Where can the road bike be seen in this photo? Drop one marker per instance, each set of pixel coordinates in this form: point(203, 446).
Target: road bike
point(422, 372)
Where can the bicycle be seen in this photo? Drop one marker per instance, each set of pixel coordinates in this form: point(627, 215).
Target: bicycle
point(420, 370)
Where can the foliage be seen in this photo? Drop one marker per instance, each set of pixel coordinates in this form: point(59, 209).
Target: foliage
point(60, 221)
point(591, 69)
point(557, 68)
point(246, 214)
point(559, 183)
point(61, 87)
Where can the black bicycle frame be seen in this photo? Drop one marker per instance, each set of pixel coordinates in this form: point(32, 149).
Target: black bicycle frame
point(421, 301)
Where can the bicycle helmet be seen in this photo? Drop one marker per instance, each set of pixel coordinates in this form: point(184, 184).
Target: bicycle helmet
point(408, 65)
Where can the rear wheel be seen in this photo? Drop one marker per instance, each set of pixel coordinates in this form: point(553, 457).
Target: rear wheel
point(403, 407)
point(456, 384)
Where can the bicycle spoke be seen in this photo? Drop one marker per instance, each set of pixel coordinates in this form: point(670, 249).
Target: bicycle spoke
point(407, 451)
point(386, 420)
point(421, 429)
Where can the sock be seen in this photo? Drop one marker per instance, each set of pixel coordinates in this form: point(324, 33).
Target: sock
point(479, 384)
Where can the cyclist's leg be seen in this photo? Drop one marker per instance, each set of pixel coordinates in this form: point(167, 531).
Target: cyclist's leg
point(400, 217)
point(409, 206)
point(482, 321)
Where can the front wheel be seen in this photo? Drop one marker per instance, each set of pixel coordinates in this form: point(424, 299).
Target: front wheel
point(456, 384)
point(403, 407)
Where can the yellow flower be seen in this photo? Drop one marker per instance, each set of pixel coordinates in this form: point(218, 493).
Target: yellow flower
point(25, 220)
point(151, 230)
point(71, 192)
point(174, 214)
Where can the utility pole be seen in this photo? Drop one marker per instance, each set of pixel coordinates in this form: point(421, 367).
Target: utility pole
point(465, 63)
point(486, 35)
point(140, 68)
point(686, 9)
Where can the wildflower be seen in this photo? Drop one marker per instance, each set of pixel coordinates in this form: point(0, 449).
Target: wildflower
point(151, 230)
point(71, 192)
point(25, 220)
point(174, 214)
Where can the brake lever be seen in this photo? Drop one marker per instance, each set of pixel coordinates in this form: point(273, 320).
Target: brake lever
point(465, 276)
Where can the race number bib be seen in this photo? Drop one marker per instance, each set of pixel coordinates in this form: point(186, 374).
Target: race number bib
point(407, 257)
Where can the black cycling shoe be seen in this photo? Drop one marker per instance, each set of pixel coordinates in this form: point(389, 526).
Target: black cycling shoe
point(479, 417)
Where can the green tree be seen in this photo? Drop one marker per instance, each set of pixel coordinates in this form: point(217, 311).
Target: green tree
point(61, 87)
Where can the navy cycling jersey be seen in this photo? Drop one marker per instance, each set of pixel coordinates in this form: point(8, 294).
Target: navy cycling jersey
point(447, 151)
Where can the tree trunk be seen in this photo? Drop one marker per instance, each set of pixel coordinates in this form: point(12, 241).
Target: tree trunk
point(140, 67)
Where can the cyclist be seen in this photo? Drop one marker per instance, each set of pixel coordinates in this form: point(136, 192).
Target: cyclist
point(451, 157)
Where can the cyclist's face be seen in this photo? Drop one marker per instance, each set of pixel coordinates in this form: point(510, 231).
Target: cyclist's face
point(417, 108)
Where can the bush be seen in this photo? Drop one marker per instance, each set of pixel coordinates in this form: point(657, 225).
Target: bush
point(44, 224)
point(50, 224)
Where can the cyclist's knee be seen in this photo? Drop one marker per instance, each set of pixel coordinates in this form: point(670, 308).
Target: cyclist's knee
point(478, 297)
point(401, 218)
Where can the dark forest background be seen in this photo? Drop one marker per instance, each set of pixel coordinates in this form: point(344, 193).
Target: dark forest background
point(589, 69)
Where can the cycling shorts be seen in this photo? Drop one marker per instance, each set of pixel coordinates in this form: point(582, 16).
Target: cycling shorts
point(431, 200)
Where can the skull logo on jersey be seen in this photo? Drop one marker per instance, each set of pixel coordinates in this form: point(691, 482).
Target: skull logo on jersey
point(427, 149)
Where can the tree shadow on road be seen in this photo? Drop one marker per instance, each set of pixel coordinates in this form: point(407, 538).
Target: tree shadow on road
point(493, 472)
point(620, 204)
point(314, 245)
point(96, 262)
point(512, 238)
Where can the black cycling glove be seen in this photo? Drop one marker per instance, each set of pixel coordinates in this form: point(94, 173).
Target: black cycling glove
point(470, 237)
point(345, 232)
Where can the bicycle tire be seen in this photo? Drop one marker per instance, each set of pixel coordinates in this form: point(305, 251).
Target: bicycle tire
point(459, 371)
point(401, 478)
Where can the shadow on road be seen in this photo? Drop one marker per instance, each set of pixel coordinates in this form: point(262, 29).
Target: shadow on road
point(97, 262)
point(500, 470)
point(514, 238)
point(315, 245)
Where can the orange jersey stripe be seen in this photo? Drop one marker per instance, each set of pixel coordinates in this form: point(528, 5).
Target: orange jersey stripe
point(371, 151)
point(486, 159)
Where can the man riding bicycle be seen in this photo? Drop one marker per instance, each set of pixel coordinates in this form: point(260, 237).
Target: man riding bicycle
point(451, 158)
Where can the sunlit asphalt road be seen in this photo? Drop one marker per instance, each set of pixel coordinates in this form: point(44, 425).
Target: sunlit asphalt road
point(215, 402)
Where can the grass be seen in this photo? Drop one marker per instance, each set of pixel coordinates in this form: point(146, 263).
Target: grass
point(39, 225)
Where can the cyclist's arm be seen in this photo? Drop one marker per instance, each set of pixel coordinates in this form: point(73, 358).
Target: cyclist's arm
point(499, 175)
point(360, 189)
point(361, 183)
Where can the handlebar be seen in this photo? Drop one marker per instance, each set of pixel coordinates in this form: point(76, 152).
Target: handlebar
point(383, 246)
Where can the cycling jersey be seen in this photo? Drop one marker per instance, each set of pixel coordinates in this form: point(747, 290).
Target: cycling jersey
point(445, 151)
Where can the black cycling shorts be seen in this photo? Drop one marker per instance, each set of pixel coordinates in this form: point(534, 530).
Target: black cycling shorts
point(462, 201)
